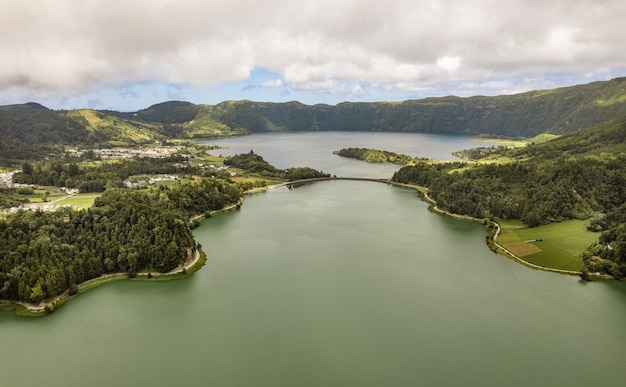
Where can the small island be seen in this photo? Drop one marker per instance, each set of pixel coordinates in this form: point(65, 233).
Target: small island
point(378, 156)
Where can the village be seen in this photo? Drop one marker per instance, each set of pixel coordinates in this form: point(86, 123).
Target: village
point(60, 195)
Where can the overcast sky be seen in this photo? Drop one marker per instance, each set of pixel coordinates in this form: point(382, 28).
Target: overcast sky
point(129, 54)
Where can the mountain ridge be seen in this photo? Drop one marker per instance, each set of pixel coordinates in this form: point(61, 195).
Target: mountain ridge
point(558, 111)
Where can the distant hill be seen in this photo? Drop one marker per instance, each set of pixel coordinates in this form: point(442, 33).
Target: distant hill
point(32, 123)
point(558, 111)
point(172, 112)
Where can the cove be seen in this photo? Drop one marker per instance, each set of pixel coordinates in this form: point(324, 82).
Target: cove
point(331, 284)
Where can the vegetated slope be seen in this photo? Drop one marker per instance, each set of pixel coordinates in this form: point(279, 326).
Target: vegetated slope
point(575, 176)
point(33, 124)
point(171, 112)
point(46, 253)
point(608, 138)
point(102, 127)
point(558, 111)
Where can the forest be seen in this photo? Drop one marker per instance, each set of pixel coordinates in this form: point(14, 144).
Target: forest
point(377, 156)
point(255, 163)
point(580, 176)
point(46, 253)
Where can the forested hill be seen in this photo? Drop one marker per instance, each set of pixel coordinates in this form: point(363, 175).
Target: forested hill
point(582, 175)
point(558, 111)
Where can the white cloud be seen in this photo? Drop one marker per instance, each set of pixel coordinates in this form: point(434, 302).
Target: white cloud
point(272, 83)
point(73, 46)
point(449, 63)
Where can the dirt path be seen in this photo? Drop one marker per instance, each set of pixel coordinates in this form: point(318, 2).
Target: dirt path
point(510, 254)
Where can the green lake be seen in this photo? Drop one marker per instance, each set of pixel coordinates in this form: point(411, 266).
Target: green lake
point(336, 283)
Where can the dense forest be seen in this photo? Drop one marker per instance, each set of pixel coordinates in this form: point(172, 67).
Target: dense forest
point(255, 163)
point(377, 156)
point(34, 124)
point(47, 253)
point(582, 175)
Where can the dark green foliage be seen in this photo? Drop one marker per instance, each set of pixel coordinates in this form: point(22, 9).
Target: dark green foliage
point(14, 153)
point(44, 254)
point(172, 112)
point(255, 163)
point(376, 156)
point(609, 254)
point(303, 173)
point(574, 176)
point(12, 197)
point(536, 193)
point(33, 124)
point(558, 111)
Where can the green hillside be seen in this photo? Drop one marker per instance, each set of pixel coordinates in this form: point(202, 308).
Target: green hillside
point(103, 127)
point(558, 111)
point(577, 176)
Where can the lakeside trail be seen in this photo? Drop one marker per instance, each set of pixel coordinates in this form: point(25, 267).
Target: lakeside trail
point(189, 262)
point(504, 251)
point(38, 308)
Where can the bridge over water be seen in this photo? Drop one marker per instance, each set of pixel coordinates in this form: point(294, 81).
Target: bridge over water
point(304, 181)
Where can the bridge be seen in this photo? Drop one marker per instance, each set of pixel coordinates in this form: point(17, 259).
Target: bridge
point(385, 180)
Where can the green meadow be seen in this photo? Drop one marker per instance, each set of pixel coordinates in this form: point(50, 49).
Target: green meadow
point(79, 200)
point(556, 245)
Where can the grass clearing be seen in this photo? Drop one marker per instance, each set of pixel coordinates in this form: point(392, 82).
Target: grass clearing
point(509, 143)
point(556, 245)
point(79, 200)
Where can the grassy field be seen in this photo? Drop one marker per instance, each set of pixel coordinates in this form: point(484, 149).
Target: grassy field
point(79, 200)
point(556, 245)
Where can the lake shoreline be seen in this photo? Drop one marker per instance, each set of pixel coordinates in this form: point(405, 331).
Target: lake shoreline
point(26, 309)
point(493, 235)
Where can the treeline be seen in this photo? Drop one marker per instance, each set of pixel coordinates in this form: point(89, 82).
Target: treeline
point(34, 124)
point(44, 254)
point(377, 156)
point(256, 164)
point(609, 254)
point(171, 112)
point(15, 153)
point(535, 193)
point(557, 111)
point(576, 176)
point(13, 197)
point(100, 176)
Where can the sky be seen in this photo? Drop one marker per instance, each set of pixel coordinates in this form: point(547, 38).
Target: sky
point(129, 54)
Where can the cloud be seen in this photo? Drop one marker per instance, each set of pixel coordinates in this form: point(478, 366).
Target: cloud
point(74, 46)
point(272, 83)
point(449, 63)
